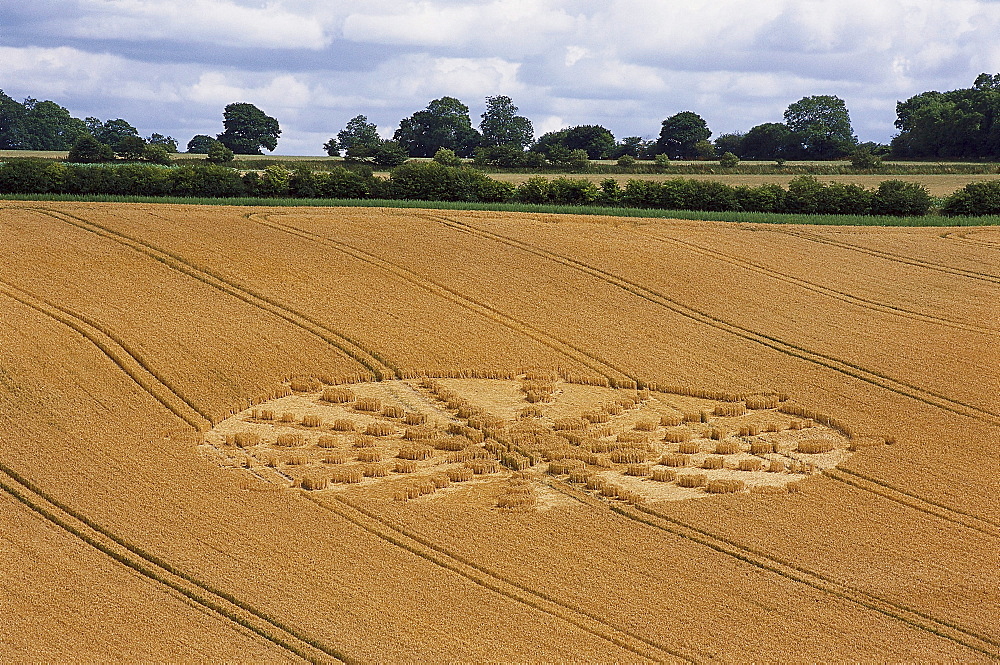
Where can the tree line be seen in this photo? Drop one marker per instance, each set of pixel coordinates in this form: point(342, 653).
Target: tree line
point(957, 124)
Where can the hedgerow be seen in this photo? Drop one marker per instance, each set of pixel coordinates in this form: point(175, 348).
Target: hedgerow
point(433, 181)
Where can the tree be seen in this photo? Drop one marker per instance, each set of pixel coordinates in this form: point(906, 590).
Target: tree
point(131, 148)
point(445, 123)
point(156, 153)
point(598, 142)
point(771, 140)
point(822, 125)
point(634, 146)
point(958, 124)
point(359, 137)
point(501, 126)
point(200, 144)
point(48, 126)
point(729, 143)
point(389, 154)
point(168, 142)
point(680, 133)
point(248, 129)
point(110, 132)
point(11, 123)
point(88, 150)
point(447, 157)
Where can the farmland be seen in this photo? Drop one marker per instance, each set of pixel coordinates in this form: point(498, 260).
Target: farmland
point(251, 433)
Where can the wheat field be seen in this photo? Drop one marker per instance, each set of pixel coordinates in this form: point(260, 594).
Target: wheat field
point(349, 434)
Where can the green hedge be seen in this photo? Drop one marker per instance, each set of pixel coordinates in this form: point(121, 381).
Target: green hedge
point(431, 181)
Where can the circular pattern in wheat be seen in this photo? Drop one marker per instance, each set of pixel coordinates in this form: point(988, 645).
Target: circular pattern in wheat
point(413, 437)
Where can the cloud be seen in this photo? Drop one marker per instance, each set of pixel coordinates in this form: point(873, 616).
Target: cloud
point(627, 64)
point(222, 22)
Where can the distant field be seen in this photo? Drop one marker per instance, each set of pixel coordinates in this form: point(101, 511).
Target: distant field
point(380, 435)
point(937, 185)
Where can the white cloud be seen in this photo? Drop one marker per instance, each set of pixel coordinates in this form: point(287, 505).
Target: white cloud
point(220, 22)
point(284, 91)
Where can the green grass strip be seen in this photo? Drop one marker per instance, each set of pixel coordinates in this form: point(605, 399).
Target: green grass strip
point(753, 217)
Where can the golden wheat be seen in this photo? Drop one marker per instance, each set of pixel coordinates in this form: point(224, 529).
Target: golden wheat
point(724, 486)
point(343, 425)
point(416, 453)
point(338, 395)
point(754, 464)
point(368, 404)
point(691, 479)
point(713, 462)
point(675, 459)
point(663, 475)
point(727, 448)
point(289, 439)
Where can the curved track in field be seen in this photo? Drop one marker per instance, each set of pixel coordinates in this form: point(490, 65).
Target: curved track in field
point(215, 601)
point(370, 359)
point(116, 350)
point(570, 351)
point(891, 256)
point(537, 600)
point(843, 296)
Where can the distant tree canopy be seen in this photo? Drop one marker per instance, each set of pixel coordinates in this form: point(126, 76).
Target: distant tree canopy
point(771, 140)
point(35, 125)
point(502, 127)
point(200, 144)
point(680, 134)
point(358, 139)
point(596, 141)
point(248, 129)
point(111, 131)
point(822, 125)
point(959, 124)
point(445, 123)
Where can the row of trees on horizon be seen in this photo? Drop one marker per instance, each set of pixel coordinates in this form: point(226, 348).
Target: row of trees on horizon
point(958, 124)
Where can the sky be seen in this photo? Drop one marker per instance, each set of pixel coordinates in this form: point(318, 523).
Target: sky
point(171, 66)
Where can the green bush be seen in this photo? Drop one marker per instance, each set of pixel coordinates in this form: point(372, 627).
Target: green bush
point(533, 190)
point(845, 199)
point(431, 181)
point(863, 160)
point(27, 176)
point(900, 199)
point(447, 157)
point(709, 195)
point(219, 154)
point(626, 161)
point(765, 198)
point(975, 199)
point(341, 183)
point(729, 160)
point(206, 180)
point(572, 191)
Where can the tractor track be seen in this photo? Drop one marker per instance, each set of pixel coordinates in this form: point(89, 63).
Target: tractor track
point(963, 236)
point(371, 360)
point(497, 583)
point(912, 617)
point(219, 603)
point(871, 305)
point(116, 350)
point(890, 256)
point(570, 351)
point(912, 500)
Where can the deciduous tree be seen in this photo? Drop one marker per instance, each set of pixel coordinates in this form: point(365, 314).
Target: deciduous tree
point(680, 134)
point(445, 123)
point(248, 129)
